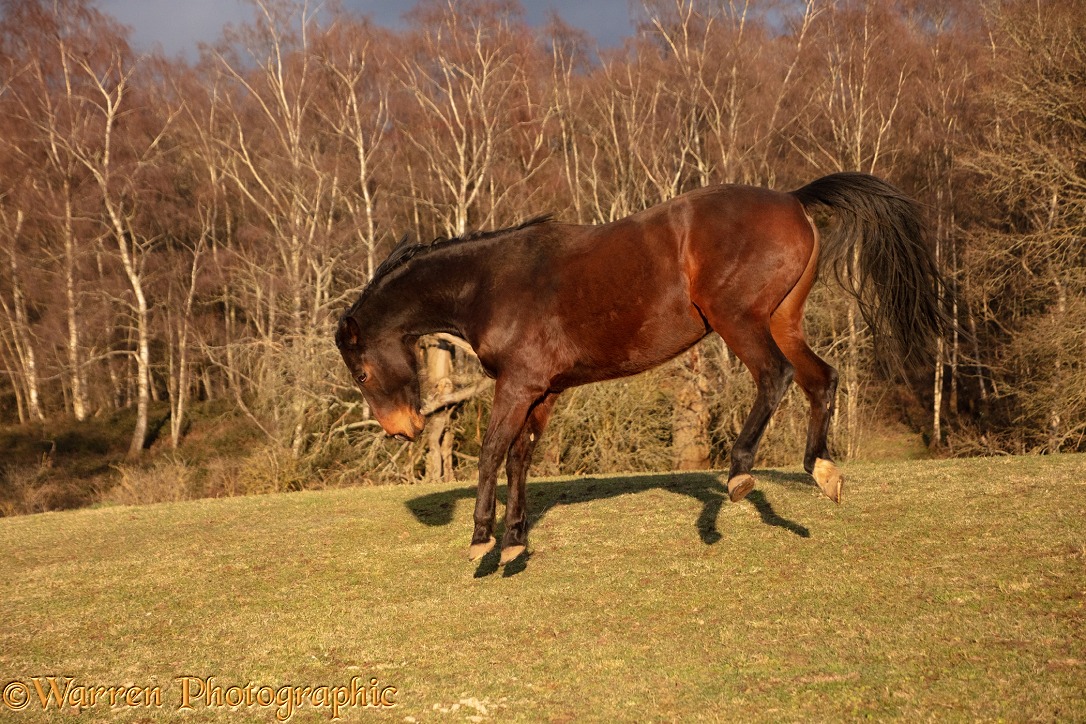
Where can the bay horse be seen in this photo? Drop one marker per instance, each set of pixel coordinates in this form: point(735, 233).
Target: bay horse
point(548, 306)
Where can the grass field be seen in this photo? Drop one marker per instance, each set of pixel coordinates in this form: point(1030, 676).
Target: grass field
point(938, 590)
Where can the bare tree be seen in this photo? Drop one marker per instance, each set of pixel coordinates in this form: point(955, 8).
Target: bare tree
point(53, 104)
point(19, 336)
point(276, 156)
point(942, 103)
point(182, 232)
point(359, 112)
point(1028, 277)
point(115, 163)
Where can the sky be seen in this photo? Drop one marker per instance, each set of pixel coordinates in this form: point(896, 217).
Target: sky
point(177, 26)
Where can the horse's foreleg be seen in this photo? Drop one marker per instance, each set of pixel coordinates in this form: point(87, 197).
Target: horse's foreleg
point(508, 415)
point(517, 463)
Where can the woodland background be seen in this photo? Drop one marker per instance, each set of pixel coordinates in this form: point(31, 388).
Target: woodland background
point(178, 238)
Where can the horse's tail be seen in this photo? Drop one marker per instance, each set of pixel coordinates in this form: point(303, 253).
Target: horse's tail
point(877, 251)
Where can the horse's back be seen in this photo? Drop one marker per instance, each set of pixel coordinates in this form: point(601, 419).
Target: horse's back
point(637, 289)
point(615, 299)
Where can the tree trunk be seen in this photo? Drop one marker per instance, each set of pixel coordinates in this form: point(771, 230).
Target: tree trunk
point(23, 342)
point(852, 382)
point(143, 372)
point(143, 331)
point(181, 383)
point(937, 390)
point(179, 390)
point(9, 364)
point(690, 426)
point(439, 440)
point(75, 363)
point(1055, 418)
point(937, 385)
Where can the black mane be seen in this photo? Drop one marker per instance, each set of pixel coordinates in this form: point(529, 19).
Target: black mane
point(405, 251)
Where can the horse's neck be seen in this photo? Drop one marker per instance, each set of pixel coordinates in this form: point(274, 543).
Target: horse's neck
point(428, 296)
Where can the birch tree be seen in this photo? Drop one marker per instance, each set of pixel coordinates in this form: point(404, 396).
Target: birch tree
point(358, 111)
point(52, 99)
point(278, 159)
point(943, 108)
point(114, 162)
point(19, 337)
point(1029, 259)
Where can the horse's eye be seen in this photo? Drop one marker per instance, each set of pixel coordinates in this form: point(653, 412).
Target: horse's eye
point(361, 379)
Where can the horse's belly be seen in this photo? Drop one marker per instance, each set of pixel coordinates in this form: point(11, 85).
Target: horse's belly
point(609, 351)
point(623, 303)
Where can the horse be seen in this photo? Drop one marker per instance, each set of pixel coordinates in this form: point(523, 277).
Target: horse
point(547, 306)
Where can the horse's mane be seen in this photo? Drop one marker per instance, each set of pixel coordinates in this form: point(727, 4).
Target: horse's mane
point(405, 251)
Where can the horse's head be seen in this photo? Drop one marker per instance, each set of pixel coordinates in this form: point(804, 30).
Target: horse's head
point(386, 370)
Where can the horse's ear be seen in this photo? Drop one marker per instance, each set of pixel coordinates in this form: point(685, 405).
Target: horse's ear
point(348, 334)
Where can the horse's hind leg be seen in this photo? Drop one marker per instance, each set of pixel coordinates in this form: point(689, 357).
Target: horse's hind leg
point(816, 378)
point(819, 381)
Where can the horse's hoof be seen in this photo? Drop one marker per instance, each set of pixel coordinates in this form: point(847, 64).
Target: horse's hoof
point(739, 486)
point(478, 550)
point(829, 479)
point(511, 553)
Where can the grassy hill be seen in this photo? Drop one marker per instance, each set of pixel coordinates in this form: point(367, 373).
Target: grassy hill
point(939, 589)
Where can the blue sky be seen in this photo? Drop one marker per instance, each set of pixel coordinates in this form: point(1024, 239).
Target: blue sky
point(178, 25)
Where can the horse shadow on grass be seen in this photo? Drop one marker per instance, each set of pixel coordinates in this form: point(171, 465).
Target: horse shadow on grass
point(436, 509)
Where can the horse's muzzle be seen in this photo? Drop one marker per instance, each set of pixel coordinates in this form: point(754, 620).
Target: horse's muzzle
point(403, 424)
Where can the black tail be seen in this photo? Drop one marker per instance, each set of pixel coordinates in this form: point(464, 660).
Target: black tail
point(877, 251)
